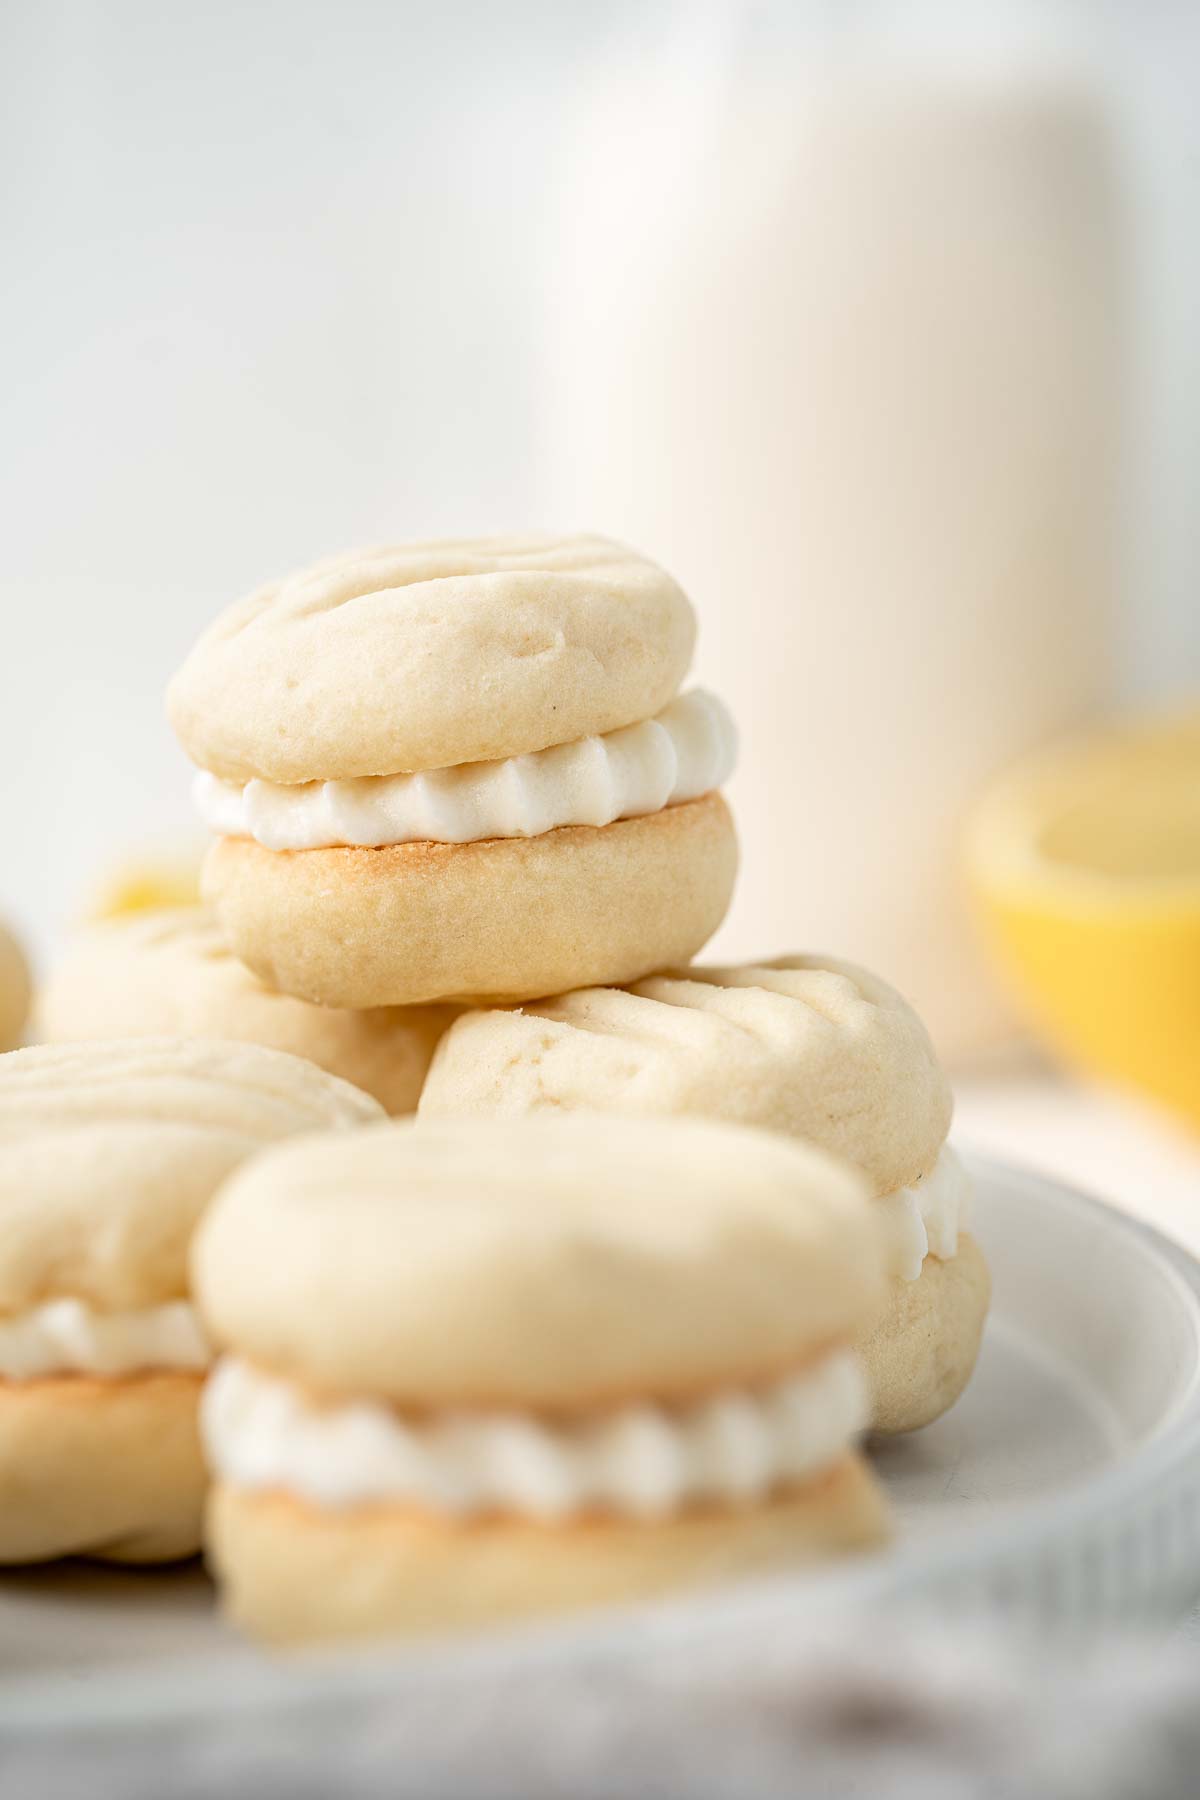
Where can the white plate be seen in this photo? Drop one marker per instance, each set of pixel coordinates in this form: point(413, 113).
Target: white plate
point(1066, 1483)
point(1065, 1486)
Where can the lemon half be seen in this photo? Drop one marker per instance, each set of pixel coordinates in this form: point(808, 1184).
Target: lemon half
point(1085, 865)
point(144, 882)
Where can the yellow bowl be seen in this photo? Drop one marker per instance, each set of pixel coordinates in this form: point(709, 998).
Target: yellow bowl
point(1085, 865)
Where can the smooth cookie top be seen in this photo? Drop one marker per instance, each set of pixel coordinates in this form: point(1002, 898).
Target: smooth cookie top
point(109, 1152)
point(421, 656)
point(808, 1045)
point(549, 1263)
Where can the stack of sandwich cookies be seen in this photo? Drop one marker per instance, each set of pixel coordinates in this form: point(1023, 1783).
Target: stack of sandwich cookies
point(108, 1154)
point(459, 770)
point(170, 972)
point(501, 1368)
point(810, 1046)
point(15, 989)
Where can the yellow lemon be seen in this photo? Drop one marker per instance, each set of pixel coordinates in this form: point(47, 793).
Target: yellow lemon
point(143, 883)
point(16, 989)
point(1085, 863)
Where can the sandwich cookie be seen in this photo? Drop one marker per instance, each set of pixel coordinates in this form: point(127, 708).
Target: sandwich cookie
point(108, 1154)
point(171, 972)
point(806, 1045)
point(488, 1369)
point(15, 989)
point(459, 770)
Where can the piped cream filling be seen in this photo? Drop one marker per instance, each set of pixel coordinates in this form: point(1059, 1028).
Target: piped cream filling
point(926, 1220)
point(640, 1461)
point(686, 751)
point(66, 1336)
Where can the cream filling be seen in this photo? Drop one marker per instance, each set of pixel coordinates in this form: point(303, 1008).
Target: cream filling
point(64, 1337)
point(925, 1220)
point(642, 1461)
point(686, 751)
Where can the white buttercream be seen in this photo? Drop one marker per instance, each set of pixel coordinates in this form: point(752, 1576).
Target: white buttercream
point(686, 751)
point(644, 1461)
point(70, 1337)
point(925, 1220)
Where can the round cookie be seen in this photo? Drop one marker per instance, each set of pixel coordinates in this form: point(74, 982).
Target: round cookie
point(543, 1265)
point(457, 770)
point(15, 989)
point(109, 1151)
point(422, 655)
point(95, 1467)
point(466, 1381)
point(170, 972)
point(504, 919)
point(808, 1045)
point(291, 1573)
point(921, 1352)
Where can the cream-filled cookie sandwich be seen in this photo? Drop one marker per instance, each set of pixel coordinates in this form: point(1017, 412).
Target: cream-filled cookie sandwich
point(492, 1369)
point(15, 989)
point(459, 770)
point(811, 1046)
point(170, 972)
point(108, 1154)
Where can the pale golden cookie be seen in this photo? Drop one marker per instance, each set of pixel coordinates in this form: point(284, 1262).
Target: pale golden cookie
point(809, 1045)
point(507, 918)
point(423, 655)
point(109, 1152)
point(291, 1573)
point(482, 1370)
point(104, 1468)
point(922, 1350)
point(170, 972)
point(564, 1263)
point(459, 771)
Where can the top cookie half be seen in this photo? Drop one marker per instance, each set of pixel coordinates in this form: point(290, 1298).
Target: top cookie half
point(425, 655)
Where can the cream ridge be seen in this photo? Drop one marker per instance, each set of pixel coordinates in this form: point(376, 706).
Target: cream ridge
point(687, 750)
point(69, 1337)
point(925, 1220)
point(642, 1461)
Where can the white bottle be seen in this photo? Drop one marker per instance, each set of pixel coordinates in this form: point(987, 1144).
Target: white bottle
point(840, 353)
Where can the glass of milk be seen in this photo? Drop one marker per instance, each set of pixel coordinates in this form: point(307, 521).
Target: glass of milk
point(834, 336)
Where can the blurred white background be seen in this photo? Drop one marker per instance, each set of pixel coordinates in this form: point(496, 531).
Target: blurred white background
point(270, 284)
point(276, 281)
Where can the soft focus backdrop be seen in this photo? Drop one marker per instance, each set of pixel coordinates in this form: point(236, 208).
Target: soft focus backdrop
point(280, 277)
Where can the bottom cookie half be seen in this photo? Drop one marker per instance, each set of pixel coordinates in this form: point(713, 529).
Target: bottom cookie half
point(293, 1574)
point(922, 1350)
point(502, 920)
point(109, 1468)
